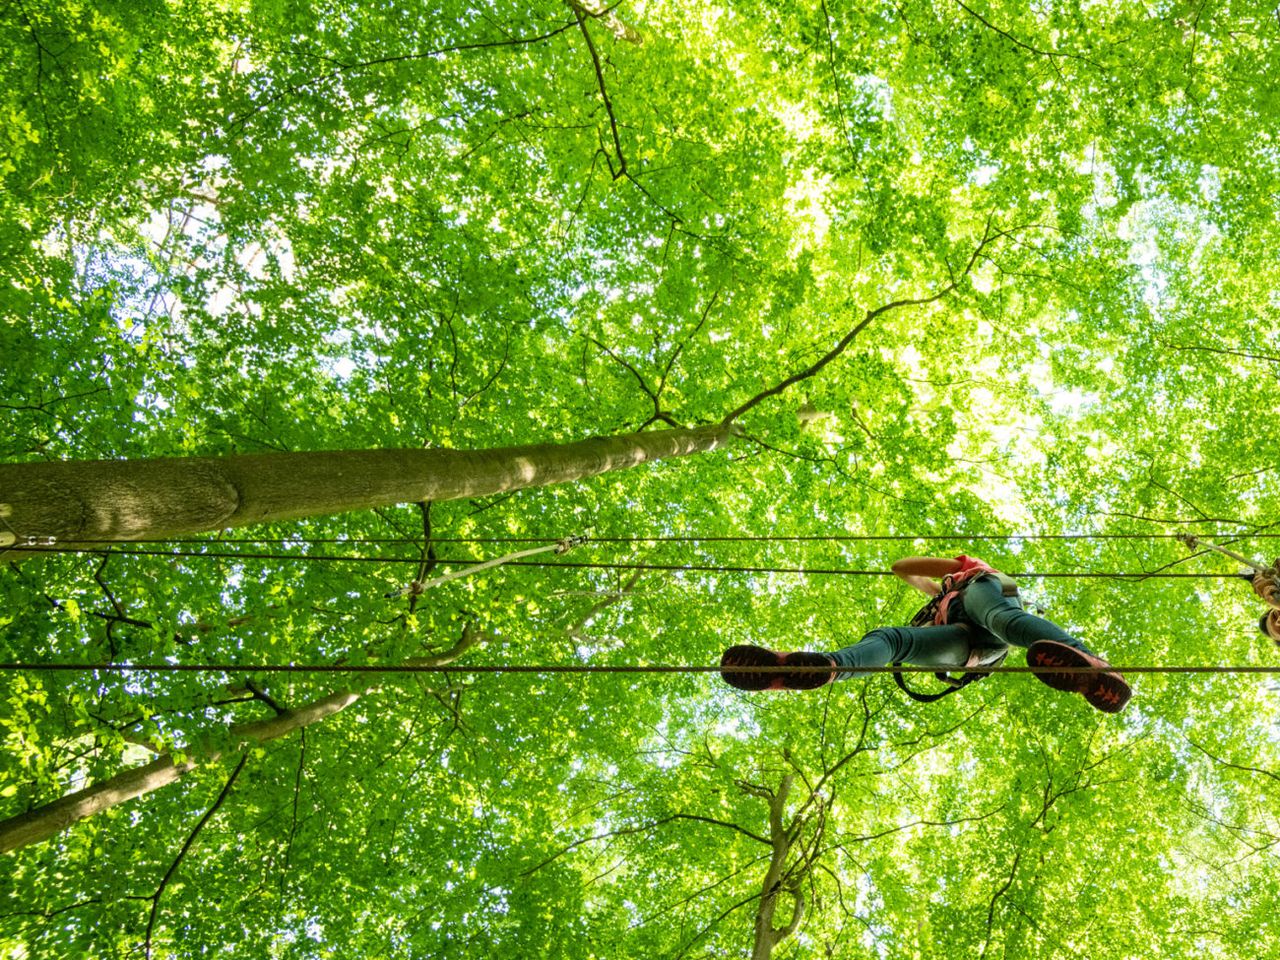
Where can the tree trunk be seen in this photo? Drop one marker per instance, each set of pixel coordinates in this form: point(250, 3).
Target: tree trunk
point(766, 935)
point(65, 502)
point(52, 818)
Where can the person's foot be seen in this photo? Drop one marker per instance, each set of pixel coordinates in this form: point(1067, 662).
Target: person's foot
point(745, 656)
point(1106, 691)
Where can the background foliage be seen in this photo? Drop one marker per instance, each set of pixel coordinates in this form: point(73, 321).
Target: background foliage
point(243, 226)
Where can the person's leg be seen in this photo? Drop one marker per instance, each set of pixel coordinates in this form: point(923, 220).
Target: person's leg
point(987, 606)
point(944, 647)
point(1048, 647)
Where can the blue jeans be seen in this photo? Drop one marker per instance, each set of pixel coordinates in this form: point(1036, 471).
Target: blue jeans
point(987, 620)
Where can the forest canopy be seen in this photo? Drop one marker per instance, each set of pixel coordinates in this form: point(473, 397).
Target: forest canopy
point(813, 286)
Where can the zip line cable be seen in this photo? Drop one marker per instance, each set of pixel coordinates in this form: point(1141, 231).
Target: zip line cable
point(601, 565)
point(806, 538)
point(584, 668)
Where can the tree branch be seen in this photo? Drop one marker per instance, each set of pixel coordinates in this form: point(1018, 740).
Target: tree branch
point(835, 83)
point(665, 910)
point(628, 831)
point(191, 839)
point(988, 236)
point(632, 370)
point(297, 791)
point(1270, 358)
point(343, 68)
point(52, 818)
point(574, 632)
point(991, 907)
point(675, 354)
point(621, 169)
point(722, 823)
point(1234, 766)
point(1049, 54)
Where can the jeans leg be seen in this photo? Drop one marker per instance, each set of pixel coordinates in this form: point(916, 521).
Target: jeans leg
point(986, 605)
point(946, 646)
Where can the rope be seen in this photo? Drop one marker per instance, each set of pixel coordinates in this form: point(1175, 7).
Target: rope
point(815, 538)
point(578, 668)
point(591, 565)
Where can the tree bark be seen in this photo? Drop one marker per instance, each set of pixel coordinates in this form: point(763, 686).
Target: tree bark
point(52, 818)
point(767, 936)
point(65, 502)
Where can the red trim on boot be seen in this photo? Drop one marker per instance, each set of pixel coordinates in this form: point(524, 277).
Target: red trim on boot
point(1107, 691)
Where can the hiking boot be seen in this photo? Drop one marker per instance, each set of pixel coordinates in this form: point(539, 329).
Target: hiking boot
point(1107, 691)
point(744, 656)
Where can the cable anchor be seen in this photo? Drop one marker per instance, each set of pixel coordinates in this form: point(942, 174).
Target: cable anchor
point(565, 544)
point(1194, 543)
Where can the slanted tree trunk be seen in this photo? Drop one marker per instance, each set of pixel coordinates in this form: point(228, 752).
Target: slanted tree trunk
point(776, 882)
point(66, 502)
point(52, 818)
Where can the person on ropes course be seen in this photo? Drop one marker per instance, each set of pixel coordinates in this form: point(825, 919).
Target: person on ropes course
point(1265, 586)
point(1264, 580)
point(972, 618)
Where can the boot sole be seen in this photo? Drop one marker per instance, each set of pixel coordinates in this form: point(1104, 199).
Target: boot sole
point(1107, 692)
point(745, 655)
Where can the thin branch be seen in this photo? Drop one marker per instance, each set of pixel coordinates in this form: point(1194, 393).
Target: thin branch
point(675, 354)
point(1251, 473)
point(191, 839)
point(297, 790)
point(120, 616)
point(1051, 55)
point(1270, 358)
point(574, 632)
point(50, 914)
point(721, 823)
point(991, 907)
point(791, 762)
point(888, 831)
point(40, 407)
point(1191, 58)
point(988, 236)
point(239, 122)
point(262, 696)
point(1169, 520)
point(708, 927)
point(665, 910)
point(835, 82)
point(502, 365)
point(628, 831)
point(632, 370)
point(1152, 481)
point(621, 169)
point(1234, 766)
point(835, 465)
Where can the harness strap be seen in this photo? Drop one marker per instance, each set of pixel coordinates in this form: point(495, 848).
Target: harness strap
point(977, 657)
point(954, 684)
point(922, 697)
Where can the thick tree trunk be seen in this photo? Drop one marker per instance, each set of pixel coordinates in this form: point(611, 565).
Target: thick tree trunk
point(71, 501)
point(52, 818)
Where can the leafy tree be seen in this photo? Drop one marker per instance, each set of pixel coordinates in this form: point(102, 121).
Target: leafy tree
point(236, 231)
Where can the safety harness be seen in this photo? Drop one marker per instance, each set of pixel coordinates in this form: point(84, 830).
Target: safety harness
point(938, 611)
